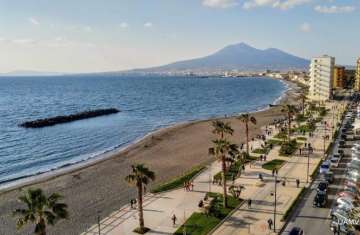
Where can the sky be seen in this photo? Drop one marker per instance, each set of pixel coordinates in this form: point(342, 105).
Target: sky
point(109, 35)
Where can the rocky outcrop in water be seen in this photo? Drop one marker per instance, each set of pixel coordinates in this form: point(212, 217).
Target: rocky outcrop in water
point(69, 118)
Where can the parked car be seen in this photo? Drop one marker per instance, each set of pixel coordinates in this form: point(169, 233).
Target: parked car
point(329, 177)
point(347, 194)
point(334, 162)
point(341, 144)
point(320, 199)
point(296, 231)
point(322, 187)
point(337, 223)
point(325, 167)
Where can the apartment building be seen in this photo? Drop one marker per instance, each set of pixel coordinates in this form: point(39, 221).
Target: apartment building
point(321, 78)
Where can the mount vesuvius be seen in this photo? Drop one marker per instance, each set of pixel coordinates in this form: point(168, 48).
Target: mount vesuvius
point(237, 56)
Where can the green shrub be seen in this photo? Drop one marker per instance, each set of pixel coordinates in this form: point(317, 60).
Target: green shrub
point(178, 182)
point(273, 164)
point(288, 148)
point(261, 150)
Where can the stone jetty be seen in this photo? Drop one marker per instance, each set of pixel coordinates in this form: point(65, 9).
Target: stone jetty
point(39, 123)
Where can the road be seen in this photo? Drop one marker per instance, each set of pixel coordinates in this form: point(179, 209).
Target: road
point(314, 220)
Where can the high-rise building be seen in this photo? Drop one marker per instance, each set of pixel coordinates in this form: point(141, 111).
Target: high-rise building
point(357, 76)
point(321, 78)
point(339, 77)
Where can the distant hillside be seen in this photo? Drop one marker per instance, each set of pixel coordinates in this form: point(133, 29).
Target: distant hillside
point(239, 56)
point(29, 73)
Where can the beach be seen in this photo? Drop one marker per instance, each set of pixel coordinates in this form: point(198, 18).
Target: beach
point(99, 187)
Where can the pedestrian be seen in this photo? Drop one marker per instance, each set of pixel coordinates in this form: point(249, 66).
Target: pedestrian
point(132, 203)
point(270, 223)
point(300, 151)
point(173, 218)
point(273, 172)
point(297, 183)
point(249, 203)
point(265, 158)
point(243, 167)
point(260, 177)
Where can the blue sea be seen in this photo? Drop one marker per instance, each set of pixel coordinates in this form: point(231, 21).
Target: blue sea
point(147, 103)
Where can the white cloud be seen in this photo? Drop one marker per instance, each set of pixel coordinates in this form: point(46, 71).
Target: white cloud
point(23, 41)
point(305, 27)
point(33, 21)
point(220, 3)
point(148, 25)
point(124, 25)
point(334, 9)
point(281, 4)
point(88, 29)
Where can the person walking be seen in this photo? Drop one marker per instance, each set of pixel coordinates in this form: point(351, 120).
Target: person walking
point(249, 203)
point(270, 223)
point(273, 172)
point(297, 183)
point(173, 218)
point(132, 203)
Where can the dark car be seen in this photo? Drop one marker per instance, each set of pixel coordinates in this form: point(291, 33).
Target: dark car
point(322, 187)
point(329, 177)
point(296, 231)
point(342, 144)
point(320, 199)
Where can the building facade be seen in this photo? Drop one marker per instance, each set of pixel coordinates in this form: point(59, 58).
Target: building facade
point(339, 77)
point(321, 78)
point(357, 76)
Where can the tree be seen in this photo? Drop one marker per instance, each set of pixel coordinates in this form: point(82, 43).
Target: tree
point(40, 210)
point(246, 119)
point(222, 150)
point(221, 128)
point(303, 98)
point(289, 110)
point(140, 176)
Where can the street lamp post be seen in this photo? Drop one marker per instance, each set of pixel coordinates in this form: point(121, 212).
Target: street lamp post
point(275, 204)
point(308, 164)
point(98, 222)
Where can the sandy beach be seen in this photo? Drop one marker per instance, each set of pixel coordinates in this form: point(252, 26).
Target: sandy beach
point(100, 187)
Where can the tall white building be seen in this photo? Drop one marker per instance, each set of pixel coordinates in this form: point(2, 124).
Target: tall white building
point(321, 78)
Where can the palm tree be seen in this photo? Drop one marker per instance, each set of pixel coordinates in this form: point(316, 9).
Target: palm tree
point(221, 128)
point(40, 210)
point(289, 110)
point(246, 119)
point(303, 98)
point(140, 176)
point(222, 150)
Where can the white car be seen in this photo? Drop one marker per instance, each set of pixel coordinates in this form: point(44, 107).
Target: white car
point(325, 167)
point(334, 161)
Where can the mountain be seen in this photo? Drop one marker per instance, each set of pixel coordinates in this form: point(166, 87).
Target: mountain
point(240, 57)
point(29, 73)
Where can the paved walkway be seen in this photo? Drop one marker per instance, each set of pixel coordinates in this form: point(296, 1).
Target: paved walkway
point(159, 208)
point(254, 220)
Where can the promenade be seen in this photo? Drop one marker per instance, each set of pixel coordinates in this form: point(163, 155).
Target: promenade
point(159, 208)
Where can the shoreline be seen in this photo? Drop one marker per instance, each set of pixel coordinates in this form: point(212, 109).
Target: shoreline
point(25, 181)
